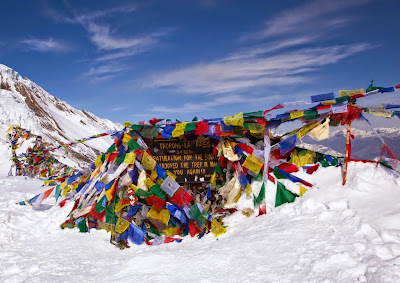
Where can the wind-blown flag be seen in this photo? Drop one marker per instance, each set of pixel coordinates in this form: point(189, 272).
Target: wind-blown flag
point(283, 195)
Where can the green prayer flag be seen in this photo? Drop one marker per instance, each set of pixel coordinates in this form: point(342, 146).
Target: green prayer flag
point(133, 145)
point(99, 205)
point(111, 148)
point(278, 175)
point(154, 231)
point(156, 190)
point(190, 127)
point(371, 87)
point(142, 193)
point(120, 159)
point(150, 132)
point(342, 99)
point(310, 115)
point(110, 211)
point(283, 195)
point(82, 226)
point(218, 168)
point(195, 213)
point(256, 114)
point(261, 196)
point(136, 127)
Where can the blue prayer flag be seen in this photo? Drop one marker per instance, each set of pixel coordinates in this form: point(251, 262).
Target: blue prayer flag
point(322, 97)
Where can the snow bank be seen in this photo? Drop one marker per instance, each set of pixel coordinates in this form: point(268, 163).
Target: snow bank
point(332, 234)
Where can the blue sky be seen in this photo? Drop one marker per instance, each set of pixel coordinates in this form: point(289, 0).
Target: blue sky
point(131, 61)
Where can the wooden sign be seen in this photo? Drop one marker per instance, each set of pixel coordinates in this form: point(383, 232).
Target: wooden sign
point(191, 161)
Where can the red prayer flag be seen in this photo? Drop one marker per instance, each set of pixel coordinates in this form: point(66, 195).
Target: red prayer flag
point(290, 168)
point(112, 156)
point(201, 127)
point(279, 106)
point(181, 198)
point(193, 229)
point(398, 86)
point(245, 147)
point(156, 201)
point(312, 169)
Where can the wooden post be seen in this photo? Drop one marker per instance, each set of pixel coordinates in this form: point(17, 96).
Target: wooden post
point(347, 154)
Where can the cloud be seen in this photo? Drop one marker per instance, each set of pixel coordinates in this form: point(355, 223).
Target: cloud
point(45, 45)
point(312, 17)
point(238, 73)
point(104, 39)
point(103, 72)
point(115, 109)
point(113, 46)
point(199, 107)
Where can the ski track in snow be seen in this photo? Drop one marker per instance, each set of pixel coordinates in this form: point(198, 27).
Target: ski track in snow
point(332, 234)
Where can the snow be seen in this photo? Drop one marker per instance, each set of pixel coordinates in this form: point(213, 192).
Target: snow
point(331, 234)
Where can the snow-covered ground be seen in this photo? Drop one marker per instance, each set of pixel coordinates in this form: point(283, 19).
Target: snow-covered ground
point(331, 234)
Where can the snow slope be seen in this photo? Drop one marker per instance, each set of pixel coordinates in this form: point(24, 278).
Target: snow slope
point(25, 104)
point(332, 234)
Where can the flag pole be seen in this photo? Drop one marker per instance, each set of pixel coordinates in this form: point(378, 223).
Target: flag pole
point(347, 153)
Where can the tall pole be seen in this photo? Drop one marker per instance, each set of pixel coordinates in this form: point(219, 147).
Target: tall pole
point(347, 154)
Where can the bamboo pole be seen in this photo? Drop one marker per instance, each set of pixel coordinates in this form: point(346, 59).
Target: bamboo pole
point(347, 154)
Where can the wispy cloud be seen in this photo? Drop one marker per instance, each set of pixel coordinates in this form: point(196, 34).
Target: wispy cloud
point(199, 107)
point(238, 73)
point(313, 18)
point(118, 109)
point(45, 45)
point(103, 72)
point(112, 45)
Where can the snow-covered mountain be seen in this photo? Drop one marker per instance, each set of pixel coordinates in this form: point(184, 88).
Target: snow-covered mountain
point(365, 145)
point(29, 106)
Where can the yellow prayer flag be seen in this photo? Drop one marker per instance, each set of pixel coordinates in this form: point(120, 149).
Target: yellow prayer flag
point(148, 182)
point(179, 130)
point(162, 215)
point(148, 161)
point(126, 138)
point(127, 124)
point(350, 92)
point(154, 174)
point(248, 190)
point(306, 129)
point(253, 163)
point(119, 206)
point(234, 120)
point(121, 225)
point(302, 190)
point(216, 228)
point(328, 102)
point(98, 161)
point(296, 114)
point(213, 179)
point(130, 158)
point(380, 113)
point(172, 175)
point(170, 231)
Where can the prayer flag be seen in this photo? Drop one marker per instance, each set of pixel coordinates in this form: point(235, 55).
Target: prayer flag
point(135, 234)
point(283, 195)
point(234, 120)
point(322, 97)
point(350, 93)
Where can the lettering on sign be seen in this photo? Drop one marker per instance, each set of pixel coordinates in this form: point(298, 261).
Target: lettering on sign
point(190, 161)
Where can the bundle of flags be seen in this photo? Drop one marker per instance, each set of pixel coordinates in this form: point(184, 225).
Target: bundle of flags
point(126, 192)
